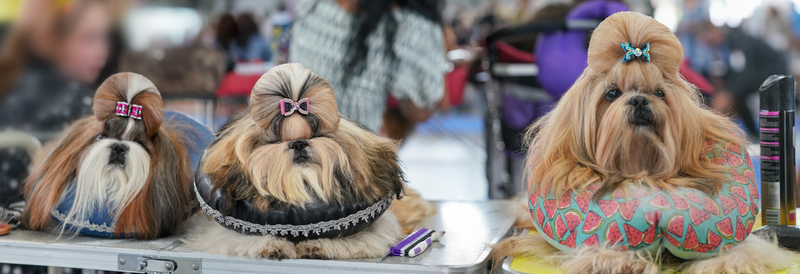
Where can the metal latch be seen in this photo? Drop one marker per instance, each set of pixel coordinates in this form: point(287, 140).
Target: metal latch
point(158, 264)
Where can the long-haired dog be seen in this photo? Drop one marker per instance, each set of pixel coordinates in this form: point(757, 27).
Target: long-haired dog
point(121, 161)
point(293, 150)
point(631, 131)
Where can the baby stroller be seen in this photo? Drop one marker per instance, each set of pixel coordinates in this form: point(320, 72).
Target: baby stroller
point(522, 86)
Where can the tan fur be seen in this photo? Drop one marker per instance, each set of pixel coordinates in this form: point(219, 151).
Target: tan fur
point(254, 159)
point(257, 147)
point(412, 209)
point(151, 193)
point(587, 139)
point(525, 245)
point(522, 213)
point(208, 236)
point(371, 243)
point(602, 260)
point(753, 255)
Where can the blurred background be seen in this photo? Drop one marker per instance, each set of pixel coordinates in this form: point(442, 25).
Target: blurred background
point(458, 90)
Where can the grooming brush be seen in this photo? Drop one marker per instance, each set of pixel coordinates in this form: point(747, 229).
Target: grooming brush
point(414, 244)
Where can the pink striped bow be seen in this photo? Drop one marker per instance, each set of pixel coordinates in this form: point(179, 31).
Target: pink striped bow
point(288, 106)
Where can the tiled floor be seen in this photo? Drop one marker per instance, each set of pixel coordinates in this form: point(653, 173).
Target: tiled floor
point(445, 159)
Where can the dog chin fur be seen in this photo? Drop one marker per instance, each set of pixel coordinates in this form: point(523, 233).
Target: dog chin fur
point(99, 184)
point(372, 242)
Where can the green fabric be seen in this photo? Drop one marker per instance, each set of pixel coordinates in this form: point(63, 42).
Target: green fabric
point(687, 222)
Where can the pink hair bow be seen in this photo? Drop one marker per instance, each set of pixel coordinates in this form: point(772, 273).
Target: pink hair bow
point(288, 106)
point(125, 110)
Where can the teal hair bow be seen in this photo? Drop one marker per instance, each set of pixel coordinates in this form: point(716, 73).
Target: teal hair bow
point(631, 52)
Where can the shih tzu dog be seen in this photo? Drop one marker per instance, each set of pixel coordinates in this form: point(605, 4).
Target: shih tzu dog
point(293, 179)
point(630, 165)
point(123, 172)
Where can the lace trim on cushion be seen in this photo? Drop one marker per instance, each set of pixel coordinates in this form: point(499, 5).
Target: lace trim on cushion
point(296, 230)
point(82, 224)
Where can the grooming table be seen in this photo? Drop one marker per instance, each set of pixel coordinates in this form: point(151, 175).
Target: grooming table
point(471, 227)
point(530, 265)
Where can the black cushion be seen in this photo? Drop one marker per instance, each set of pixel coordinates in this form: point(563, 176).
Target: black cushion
point(316, 220)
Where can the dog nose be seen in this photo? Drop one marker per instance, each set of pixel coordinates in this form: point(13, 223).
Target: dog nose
point(298, 145)
point(119, 148)
point(639, 101)
point(117, 155)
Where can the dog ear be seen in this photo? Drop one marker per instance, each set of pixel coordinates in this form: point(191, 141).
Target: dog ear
point(377, 170)
point(225, 164)
point(167, 193)
point(565, 139)
point(53, 167)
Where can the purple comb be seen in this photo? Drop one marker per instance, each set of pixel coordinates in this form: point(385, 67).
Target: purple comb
point(414, 244)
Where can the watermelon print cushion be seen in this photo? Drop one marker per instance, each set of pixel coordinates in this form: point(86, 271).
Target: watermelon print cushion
point(687, 222)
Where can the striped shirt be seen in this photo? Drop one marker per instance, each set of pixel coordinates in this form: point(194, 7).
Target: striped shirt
point(321, 34)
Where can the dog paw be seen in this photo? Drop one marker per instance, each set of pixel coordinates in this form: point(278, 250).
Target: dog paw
point(274, 254)
point(278, 249)
point(311, 252)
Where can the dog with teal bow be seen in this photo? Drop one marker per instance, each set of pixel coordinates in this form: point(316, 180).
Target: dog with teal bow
point(630, 166)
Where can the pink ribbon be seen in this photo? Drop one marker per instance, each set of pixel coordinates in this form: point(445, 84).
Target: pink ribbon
point(129, 110)
point(288, 106)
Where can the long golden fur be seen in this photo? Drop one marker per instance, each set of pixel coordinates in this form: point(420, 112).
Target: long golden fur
point(585, 138)
point(254, 149)
point(269, 159)
point(412, 209)
point(598, 132)
point(149, 191)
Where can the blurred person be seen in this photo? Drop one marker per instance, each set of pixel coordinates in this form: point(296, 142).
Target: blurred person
point(57, 60)
point(226, 32)
point(771, 24)
point(52, 56)
point(280, 33)
point(47, 69)
point(249, 45)
point(742, 63)
point(369, 49)
point(462, 29)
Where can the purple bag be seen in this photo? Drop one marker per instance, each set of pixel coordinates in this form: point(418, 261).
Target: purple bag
point(561, 55)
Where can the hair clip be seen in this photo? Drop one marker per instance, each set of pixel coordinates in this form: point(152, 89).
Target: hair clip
point(288, 106)
point(129, 110)
point(631, 52)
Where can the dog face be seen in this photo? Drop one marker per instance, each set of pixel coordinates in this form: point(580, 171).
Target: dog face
point(120, 158)
point(115, 164)
point(635, 122)
point(628, 120)
point(294, 148)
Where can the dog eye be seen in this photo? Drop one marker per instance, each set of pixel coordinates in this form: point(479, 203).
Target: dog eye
point(100, 136)
point(613, 94)
point(659, 93)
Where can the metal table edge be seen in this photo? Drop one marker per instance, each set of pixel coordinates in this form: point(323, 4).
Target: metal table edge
point(507, 266)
